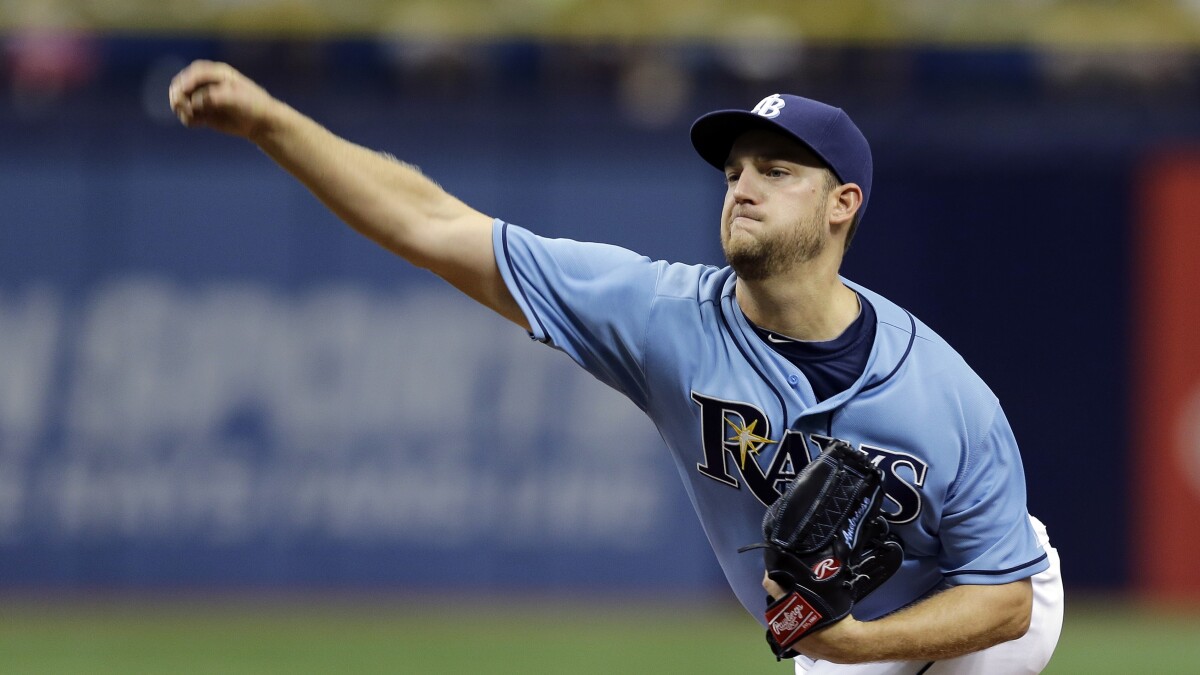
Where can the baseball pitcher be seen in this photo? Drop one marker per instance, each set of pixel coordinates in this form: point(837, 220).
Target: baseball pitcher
point(840, 455)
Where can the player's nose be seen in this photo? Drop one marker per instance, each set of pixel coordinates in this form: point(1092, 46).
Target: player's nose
point(745, 188)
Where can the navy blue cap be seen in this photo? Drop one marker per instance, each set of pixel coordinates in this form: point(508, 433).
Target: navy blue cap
point(826, 130)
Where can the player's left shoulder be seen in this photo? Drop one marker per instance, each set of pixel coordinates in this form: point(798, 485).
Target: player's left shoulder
point(896, 322)
point(907, 346)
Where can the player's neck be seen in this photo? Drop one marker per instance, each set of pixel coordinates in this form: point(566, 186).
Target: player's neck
point(806, 306)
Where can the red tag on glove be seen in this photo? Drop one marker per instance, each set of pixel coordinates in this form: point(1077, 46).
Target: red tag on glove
point(790, 618)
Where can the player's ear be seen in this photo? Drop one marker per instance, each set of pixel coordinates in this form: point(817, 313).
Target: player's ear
point(846, 200)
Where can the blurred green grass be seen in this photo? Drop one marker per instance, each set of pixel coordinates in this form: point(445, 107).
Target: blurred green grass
point(376, 635)
point(1105, 635)
point(316, 634)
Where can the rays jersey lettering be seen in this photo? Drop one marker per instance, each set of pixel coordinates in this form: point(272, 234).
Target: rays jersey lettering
point(734, 435)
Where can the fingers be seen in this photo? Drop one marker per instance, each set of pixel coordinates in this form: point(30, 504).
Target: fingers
point(773, 589)
point(187, 107)
point(199, 74)
point(191, 90)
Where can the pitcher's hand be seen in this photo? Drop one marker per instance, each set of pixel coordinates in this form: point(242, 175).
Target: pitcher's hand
point(217, 96)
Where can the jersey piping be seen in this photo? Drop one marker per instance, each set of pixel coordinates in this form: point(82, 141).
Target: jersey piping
point(999, 572)
point(545, 335)
point(912, 337)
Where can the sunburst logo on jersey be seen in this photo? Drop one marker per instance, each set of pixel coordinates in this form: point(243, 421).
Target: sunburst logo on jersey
point(749, 443)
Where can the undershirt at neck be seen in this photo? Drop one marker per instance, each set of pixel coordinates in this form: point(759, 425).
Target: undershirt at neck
point(830, 366)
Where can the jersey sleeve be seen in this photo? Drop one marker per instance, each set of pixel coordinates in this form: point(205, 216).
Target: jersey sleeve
point(591, 301)
point(987, 537)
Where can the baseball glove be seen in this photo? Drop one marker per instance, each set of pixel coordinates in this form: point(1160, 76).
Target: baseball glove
point(826, 544)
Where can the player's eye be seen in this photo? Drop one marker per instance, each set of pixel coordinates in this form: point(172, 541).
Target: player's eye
point(776, 172)
point(731, 178)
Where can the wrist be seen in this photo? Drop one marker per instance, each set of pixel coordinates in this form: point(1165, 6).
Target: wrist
point(271, 121)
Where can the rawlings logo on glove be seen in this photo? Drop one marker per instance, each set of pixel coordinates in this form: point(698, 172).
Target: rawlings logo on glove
point(791, 618)
point(827, 544)
point(826, 569)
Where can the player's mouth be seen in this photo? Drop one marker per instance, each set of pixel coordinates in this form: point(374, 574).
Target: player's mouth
point(743, 220)
point(745, 211)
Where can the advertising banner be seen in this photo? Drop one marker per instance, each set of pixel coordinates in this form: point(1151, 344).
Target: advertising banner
point(206, 380)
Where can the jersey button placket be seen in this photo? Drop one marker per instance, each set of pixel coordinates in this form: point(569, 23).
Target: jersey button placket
point(793, 380)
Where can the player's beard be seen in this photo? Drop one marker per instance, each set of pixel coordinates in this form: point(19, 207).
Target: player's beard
point(759, 258)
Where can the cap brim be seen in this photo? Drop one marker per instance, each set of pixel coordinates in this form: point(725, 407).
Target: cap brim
point(714, 134)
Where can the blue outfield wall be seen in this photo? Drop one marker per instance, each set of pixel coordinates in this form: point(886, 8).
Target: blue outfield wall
point(206, 380)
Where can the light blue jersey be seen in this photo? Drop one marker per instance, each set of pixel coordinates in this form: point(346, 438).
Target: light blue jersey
point(740, 420)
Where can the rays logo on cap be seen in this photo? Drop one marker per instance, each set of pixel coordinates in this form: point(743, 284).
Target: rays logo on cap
point(770, 106)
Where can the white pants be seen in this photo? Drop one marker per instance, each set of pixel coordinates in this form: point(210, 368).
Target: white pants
point(1025, 656)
